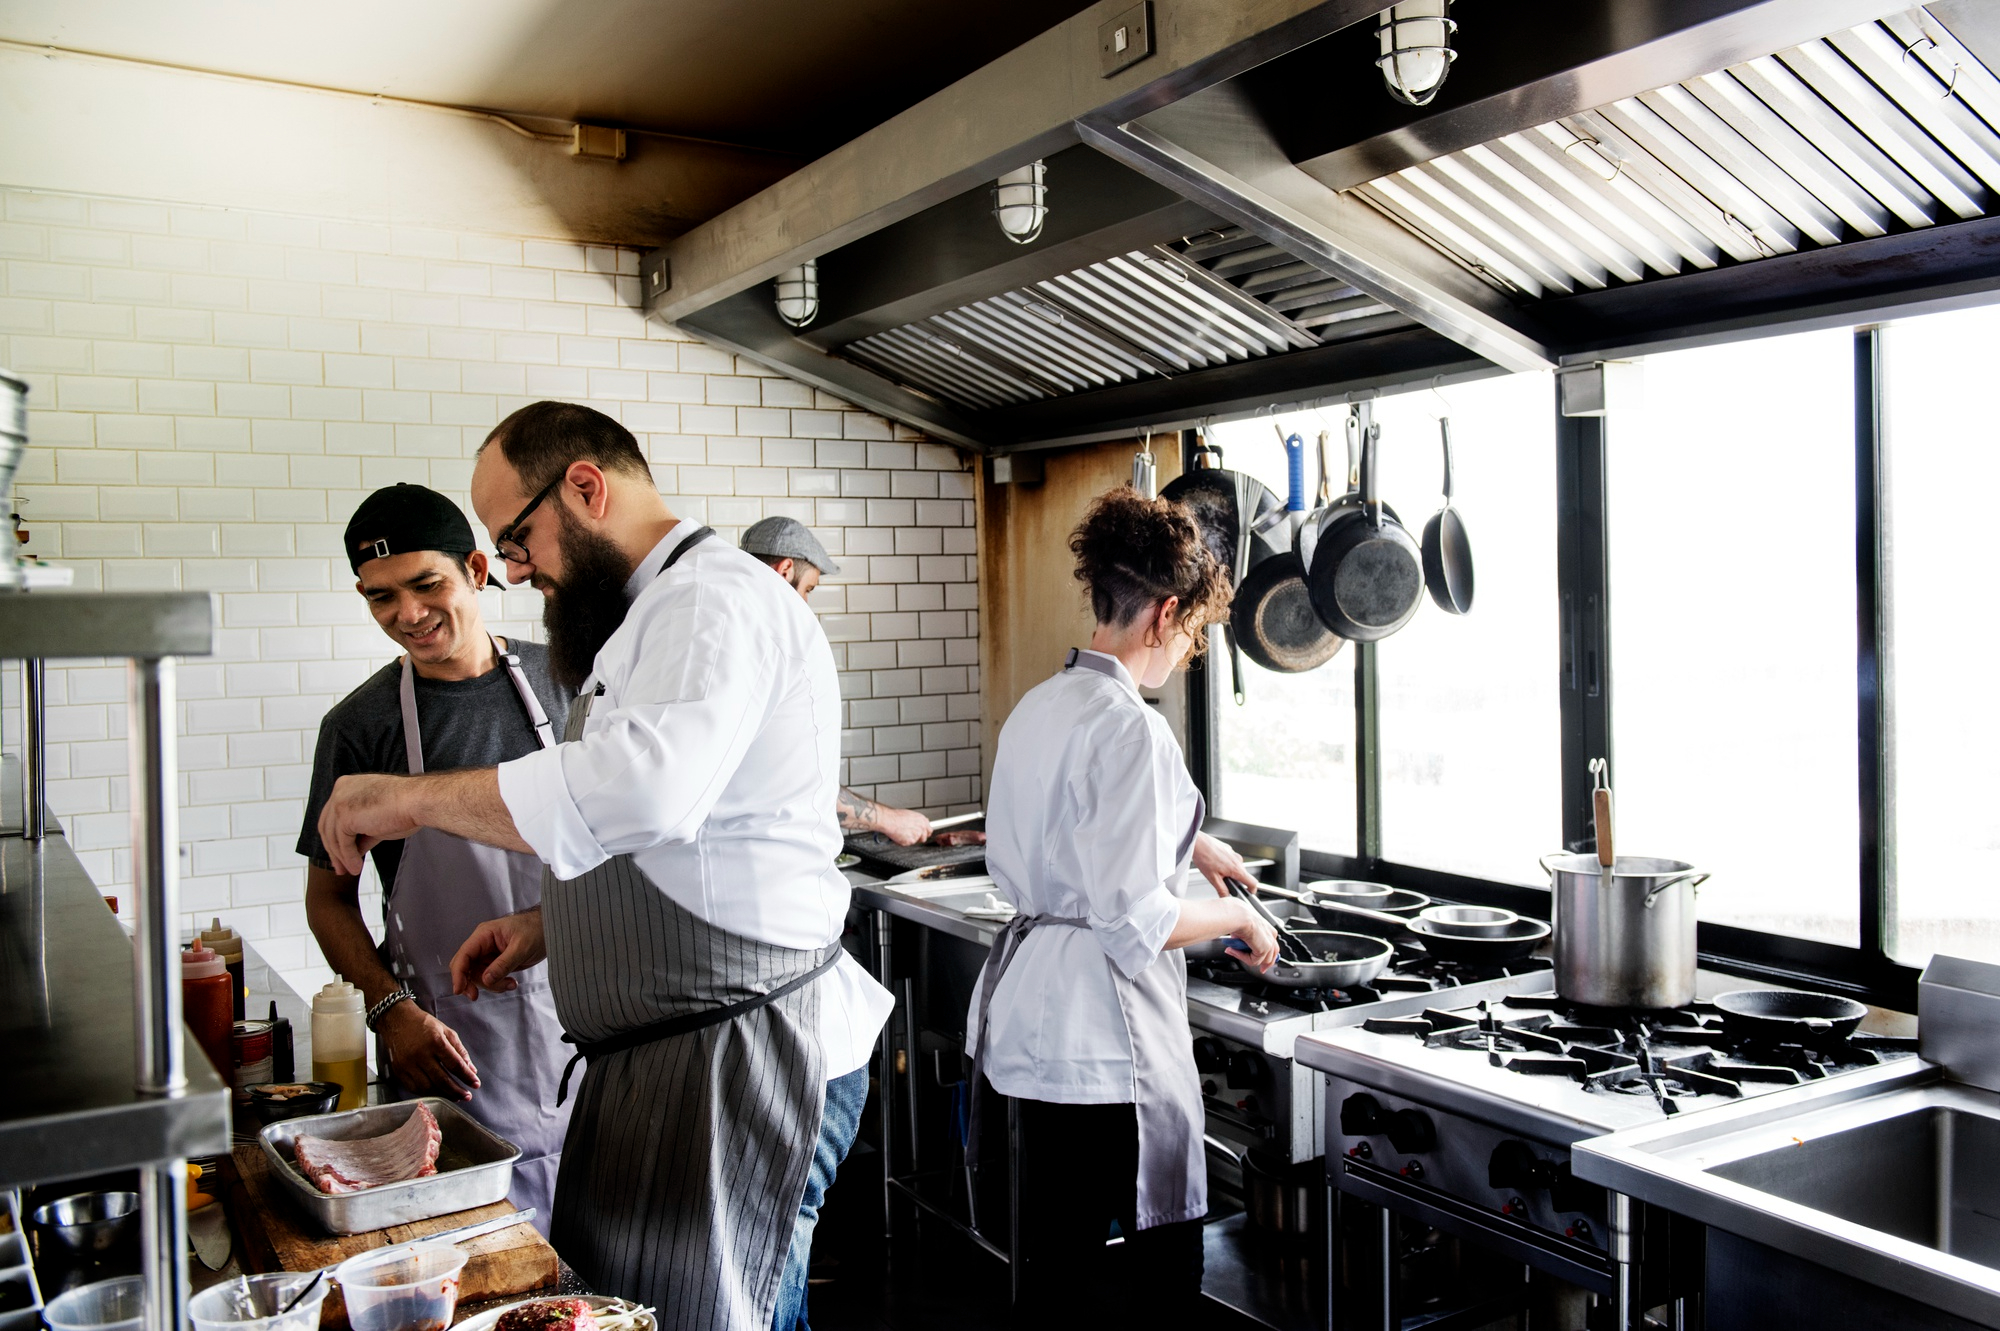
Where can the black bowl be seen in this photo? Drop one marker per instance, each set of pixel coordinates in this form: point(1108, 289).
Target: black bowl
point(274, 1102)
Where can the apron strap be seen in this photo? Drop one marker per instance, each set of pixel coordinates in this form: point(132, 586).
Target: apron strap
point(413, 740)
point(1078, 658)
point(692, 1021)
point(700, 534)
point(1006, 944)
point(539, 719)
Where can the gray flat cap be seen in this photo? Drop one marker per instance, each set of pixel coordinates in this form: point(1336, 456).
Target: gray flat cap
point(788, 538)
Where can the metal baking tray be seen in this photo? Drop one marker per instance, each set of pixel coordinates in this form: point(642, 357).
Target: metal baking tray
point(475, 1167)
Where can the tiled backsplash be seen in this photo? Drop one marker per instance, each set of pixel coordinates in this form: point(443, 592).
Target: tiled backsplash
point(214, 391)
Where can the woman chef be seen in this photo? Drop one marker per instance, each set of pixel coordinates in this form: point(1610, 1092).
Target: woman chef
point(1081, 1010)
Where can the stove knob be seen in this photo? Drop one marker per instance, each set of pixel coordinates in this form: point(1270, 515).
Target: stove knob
point(1411, 1131)
point(1514, 1164)
point(1247, 1069)
point(1360, 1114)
point(1209, 1055)
point(1413, 1170)
point(1513, 1206)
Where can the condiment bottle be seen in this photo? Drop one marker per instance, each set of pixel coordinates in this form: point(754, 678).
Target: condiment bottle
point(205, 1005)
point(229, 944)
point(281, 1045)
point(340, 1042)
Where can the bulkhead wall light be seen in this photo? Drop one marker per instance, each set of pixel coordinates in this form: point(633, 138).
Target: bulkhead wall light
point(1020, 202)
point(1415, 43)
point(797, 292)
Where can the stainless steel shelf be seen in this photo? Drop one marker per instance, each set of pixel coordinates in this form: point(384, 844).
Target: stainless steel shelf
point(59, 624)
point(67, 1024)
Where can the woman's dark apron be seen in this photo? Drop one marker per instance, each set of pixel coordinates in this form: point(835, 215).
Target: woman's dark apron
point(445, 888)
point(700, 1107)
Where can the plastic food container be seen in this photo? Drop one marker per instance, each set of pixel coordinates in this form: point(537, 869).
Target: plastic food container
point(253, 1303)
point(402, 1289)
point(108, 1305)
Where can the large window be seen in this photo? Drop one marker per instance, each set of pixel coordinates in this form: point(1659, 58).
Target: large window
point(1470, 732)
point(1731, 519)
point(1941, 402)
point(1471, 735)
point(1287, 754)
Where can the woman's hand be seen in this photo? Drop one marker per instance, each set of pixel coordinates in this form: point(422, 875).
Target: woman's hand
point(1257, 939)
point(1218, 863)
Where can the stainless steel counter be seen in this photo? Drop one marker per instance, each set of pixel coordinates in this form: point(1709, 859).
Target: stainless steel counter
point(66, 1020)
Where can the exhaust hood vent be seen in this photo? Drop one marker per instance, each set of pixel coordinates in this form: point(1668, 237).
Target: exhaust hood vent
point(1206, 300)
point(1886, 127)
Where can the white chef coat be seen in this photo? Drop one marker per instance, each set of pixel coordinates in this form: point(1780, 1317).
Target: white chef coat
point(1088, 812)
point(712, 758)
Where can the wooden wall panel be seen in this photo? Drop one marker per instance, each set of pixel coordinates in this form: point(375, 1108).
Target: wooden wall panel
point(1031, 609)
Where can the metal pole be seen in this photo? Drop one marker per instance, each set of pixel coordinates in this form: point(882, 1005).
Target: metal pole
point(885, 1089)
point(157, 993)
point(34, 752)
point(1626, 1292)
point(1391, 1320)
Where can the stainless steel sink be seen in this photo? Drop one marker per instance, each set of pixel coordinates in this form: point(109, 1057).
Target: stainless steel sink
point(1891, 1176)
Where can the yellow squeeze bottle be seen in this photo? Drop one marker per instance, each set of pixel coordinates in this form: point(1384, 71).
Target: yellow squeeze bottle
point(340, 1042)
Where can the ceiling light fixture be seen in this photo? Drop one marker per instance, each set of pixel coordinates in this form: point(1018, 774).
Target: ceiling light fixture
point(1415, 41)
point(797, 291)
point(1020, 202)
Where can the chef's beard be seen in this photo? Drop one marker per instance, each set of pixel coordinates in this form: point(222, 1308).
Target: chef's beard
point(582, 611)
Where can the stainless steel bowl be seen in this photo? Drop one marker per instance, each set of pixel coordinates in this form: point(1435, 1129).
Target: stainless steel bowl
point(90, 1222)
point(1469, 921)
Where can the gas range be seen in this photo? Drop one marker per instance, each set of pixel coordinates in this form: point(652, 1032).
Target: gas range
point(1245, 1031)
point(1461, 1114)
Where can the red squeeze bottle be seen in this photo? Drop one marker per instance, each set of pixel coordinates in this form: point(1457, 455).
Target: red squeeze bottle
point(208, 1005)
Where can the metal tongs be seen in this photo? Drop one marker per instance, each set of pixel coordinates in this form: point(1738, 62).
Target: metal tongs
point(1290, 947)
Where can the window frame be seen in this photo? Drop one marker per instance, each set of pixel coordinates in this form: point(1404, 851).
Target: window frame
point(1866, 971)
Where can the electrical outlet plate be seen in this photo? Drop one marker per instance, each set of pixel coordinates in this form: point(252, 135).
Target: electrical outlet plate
point(1126, 39)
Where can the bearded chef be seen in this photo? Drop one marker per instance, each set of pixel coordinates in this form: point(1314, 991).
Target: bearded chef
point(691, 911)
point(457, 697)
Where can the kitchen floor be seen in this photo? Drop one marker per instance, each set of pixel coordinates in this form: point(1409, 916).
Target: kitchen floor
point(933, 1277)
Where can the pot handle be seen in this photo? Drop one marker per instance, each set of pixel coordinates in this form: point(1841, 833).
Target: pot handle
point(1697, 878)
point(1548, 868)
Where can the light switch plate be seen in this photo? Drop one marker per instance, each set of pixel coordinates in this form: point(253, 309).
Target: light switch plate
point(1126, 39)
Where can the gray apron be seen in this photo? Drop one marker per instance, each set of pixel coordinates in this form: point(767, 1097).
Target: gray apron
point(700, 1106)
point(1173, 1169)
point(445, 888)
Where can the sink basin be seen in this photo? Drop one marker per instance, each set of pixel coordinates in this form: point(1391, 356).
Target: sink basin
point(1927, 1176)
point(1887, 1176)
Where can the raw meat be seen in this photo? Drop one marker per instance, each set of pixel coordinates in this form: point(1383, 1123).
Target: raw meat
point(410, 1151)
point(959, 838)
point(548, 1315)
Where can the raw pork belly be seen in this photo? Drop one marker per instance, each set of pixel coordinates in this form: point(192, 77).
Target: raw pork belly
point(548, 1315)
point(411, 1151)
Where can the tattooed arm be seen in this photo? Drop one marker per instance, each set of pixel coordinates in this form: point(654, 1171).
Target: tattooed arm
point(858, 813)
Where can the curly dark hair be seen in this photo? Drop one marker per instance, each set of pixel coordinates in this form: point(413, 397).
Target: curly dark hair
point(1133, 552)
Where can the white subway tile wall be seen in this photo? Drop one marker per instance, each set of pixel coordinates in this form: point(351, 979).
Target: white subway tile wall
point(214, 390)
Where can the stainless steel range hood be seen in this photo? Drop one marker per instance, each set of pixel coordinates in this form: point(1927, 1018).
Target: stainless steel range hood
point(1222, 242)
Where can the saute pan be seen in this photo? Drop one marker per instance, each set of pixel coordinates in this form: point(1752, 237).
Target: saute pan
point(1338, 960)
point(1789, 1014)
point(1319, 898)
point(1272, 616)
point(1520, 940)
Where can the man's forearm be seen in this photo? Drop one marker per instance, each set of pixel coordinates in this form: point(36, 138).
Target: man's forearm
point(858, 813)
point(465, 804)
point(333, 913)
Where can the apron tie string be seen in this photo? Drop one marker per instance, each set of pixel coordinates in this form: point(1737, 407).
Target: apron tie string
point(687, 1022)
point(999, 957)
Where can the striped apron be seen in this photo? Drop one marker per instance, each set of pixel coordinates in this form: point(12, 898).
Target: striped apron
point(695, 1125)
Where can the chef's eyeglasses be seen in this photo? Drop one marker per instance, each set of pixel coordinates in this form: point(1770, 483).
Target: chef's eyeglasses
point(509, 543)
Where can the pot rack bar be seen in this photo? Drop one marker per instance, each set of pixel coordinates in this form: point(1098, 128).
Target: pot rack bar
point(83, 1102)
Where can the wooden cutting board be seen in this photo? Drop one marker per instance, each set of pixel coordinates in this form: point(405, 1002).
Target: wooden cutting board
point(274, 1234)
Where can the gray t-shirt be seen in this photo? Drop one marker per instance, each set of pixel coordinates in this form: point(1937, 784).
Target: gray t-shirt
point(465, 723)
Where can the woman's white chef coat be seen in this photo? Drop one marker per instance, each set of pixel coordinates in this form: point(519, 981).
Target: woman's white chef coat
point(1092, 815)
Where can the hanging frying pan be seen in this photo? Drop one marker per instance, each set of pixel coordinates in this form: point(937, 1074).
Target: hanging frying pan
point(1272, 617)
point(1220, 499)
point(1306, 539)
point(1447, 549)
point(1366, 577)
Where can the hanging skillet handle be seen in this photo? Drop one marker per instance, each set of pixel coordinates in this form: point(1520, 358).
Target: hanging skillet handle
point(1353, 453)
point(1371, 502)
point(1653, 895)
point(1325, 495)
point(1444, 435)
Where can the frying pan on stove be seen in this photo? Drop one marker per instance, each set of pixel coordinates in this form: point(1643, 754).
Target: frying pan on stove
point(1339, 960)
point(1789, 1014)
point(1519, 942)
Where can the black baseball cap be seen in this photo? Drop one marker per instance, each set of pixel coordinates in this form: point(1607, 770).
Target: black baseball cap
point(398, 519)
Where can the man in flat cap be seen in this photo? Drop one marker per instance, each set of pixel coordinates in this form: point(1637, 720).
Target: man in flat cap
point(790, 548)
point(457, 698)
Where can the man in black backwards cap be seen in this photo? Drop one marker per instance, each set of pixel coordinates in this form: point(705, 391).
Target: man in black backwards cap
point(457, 698)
